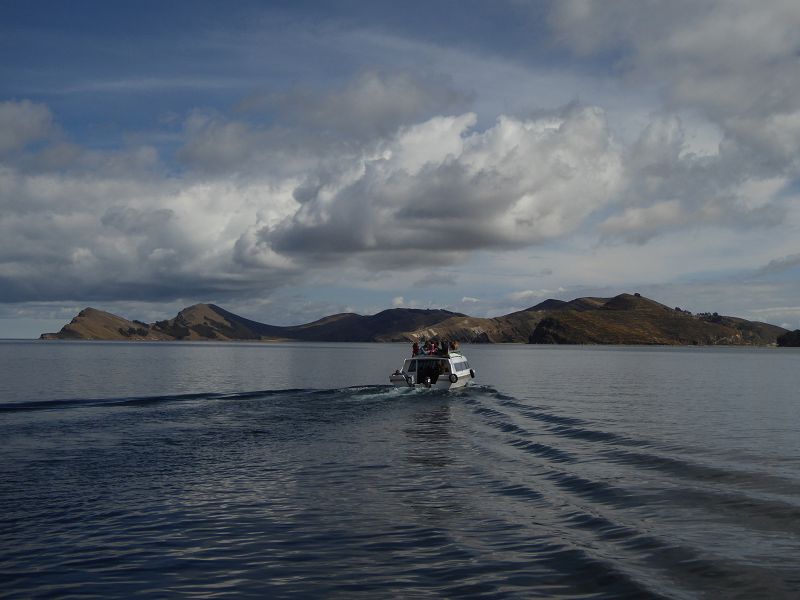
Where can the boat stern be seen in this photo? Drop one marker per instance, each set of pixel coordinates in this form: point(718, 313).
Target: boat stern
point(399, 379)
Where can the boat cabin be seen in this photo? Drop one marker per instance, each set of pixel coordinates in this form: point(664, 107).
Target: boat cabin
point(437, 371)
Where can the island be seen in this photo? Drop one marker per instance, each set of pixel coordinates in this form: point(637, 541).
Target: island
point(628, 319)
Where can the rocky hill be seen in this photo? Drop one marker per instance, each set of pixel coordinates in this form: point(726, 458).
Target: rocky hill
point(623, 319)
point(93, 324)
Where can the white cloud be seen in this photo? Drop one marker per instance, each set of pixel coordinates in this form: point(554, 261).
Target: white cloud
point(530, 295)
point(107, 235)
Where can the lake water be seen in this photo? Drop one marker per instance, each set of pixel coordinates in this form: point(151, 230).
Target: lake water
point(293, 470)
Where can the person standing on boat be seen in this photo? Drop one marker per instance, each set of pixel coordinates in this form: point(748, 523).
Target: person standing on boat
point(415, 349)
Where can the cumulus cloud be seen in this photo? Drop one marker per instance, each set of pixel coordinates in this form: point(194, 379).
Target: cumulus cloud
point(735, 61)
point(732, 64)
point(117, 225)
point(669, 188)
point(441, 185)
point(67, 234)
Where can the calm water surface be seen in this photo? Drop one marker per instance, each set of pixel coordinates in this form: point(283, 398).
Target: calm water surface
point(293, 470)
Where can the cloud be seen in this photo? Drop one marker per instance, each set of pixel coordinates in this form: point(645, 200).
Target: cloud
point(150, 84)
point(372, 104)
point(116, 225)
point(438, 277)
point(780, 265)
point(531, 295)
point(112, 236)
point(309, 131)
point(787, 317)
point(441, 186)
point(22, 123)
point(669, 188)
point(734, 61)
point(469, 300)
point(728, 65)
point(217, 146)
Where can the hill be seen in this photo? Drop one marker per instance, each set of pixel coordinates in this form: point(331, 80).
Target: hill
point(623, 319)
point(210, 322)
point(93, 324)
point(790, 339)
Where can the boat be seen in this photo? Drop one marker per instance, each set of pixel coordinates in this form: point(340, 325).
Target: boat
point(435, 371)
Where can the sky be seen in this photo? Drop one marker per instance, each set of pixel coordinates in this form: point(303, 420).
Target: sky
point(290, 160)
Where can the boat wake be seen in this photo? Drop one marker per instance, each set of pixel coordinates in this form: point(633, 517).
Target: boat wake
point(375, 491)
point(363, 392)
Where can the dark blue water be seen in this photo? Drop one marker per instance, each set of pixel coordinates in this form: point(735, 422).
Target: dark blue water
point(217, 470)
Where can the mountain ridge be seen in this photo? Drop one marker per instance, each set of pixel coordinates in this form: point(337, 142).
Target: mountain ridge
point(622, 319)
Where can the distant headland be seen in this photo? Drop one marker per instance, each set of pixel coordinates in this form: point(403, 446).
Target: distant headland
point(624, 319)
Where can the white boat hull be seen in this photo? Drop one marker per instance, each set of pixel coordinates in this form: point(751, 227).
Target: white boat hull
point(401, 381)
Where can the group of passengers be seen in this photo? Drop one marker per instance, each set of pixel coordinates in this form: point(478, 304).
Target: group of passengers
point(434, 348)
